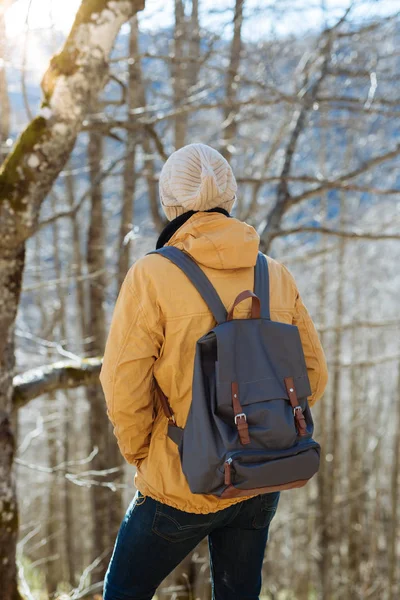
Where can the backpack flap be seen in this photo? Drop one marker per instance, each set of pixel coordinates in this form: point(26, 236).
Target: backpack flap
point(258, 355)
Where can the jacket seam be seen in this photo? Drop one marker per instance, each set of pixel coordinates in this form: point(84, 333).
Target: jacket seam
point(125, 342)
point(143, 313)
point(207, 313)
point(213, 245)
point(292, 282)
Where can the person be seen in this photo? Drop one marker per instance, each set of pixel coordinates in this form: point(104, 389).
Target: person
point(158, 317)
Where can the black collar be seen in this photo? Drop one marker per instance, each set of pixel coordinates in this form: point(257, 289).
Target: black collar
point(176, 223)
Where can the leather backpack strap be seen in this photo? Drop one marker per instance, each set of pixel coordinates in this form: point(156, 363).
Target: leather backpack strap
point(261, 284)
point(169, 413)
point(239, 416)
point(210, 296)
point(300, 421)
point(255, 306)
point(200, 281)
point(175, 433)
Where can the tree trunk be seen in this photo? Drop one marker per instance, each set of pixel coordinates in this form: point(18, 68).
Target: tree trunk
point(10, 288)
point(60, 517)
point(106, 511)
point(377, 471)
point(184, 72)
point(355, 473)
point(52, 567)
point(394, 497)
point(194, 46)
point(230, 124)
point(322, 408)
point(77, 259)
point(179, 70)
point(139, 99)
point(129, 176)
point(75, 509)
point(95, 333)
point(323, 516)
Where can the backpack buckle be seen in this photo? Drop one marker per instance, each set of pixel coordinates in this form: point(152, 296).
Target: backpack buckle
point(297, 408)
point(240, 415)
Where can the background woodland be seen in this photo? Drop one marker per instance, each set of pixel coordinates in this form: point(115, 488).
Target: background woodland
point(310, 121)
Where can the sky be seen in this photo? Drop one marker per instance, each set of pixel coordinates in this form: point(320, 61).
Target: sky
point(159, 13)
point(261, 23)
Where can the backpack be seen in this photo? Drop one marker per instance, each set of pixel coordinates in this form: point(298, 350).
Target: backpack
point(249, 428)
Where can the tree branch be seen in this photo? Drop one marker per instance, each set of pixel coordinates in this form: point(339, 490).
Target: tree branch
point(309, 92)
point(67, 375)
point(345, 234)
point(342, 180)
point(61, 375)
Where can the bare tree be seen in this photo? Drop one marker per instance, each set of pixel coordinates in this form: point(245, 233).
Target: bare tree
point(129, 177)
point(393, 585)
point(344, 149)
point(231, 85)
point(74, 77)
point(179, 70)
point(106, 512)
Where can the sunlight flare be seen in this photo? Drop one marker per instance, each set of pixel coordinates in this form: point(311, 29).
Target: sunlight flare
point(40, 14)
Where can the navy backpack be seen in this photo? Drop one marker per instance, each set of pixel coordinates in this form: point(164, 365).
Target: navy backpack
point(249, 429)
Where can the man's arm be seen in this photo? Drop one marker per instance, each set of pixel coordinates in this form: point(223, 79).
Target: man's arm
point(126, 375)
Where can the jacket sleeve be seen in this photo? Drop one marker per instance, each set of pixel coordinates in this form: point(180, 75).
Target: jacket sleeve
point(126, 376)
point(313, 352)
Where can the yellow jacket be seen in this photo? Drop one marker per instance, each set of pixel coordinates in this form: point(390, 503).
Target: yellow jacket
point(157, 320)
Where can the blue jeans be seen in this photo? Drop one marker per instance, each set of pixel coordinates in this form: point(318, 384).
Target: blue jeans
point(154, 538)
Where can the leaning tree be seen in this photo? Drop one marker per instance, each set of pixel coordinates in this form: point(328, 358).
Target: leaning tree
point(72, 81)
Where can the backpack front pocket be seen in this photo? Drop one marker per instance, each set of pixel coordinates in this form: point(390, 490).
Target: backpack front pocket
point(258, 471)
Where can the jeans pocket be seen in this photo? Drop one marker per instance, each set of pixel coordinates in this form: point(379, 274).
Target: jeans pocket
point(266, 509)
point(177, 526)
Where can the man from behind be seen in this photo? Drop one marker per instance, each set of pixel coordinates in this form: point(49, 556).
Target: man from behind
point(157, 320)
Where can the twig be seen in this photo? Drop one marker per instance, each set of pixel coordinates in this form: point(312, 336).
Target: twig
point(344, 234)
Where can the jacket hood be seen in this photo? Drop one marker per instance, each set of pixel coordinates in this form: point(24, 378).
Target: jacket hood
point(217, 241)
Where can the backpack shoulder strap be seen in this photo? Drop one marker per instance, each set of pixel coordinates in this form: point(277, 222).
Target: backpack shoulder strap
point(261, 284)
point(198, 278)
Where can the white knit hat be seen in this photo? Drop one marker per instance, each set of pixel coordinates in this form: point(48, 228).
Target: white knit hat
point(196, 177)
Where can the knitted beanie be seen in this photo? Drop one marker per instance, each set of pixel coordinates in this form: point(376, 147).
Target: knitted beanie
point(196, 177)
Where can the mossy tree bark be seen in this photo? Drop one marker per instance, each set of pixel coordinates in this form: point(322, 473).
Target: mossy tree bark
point(74, 77)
